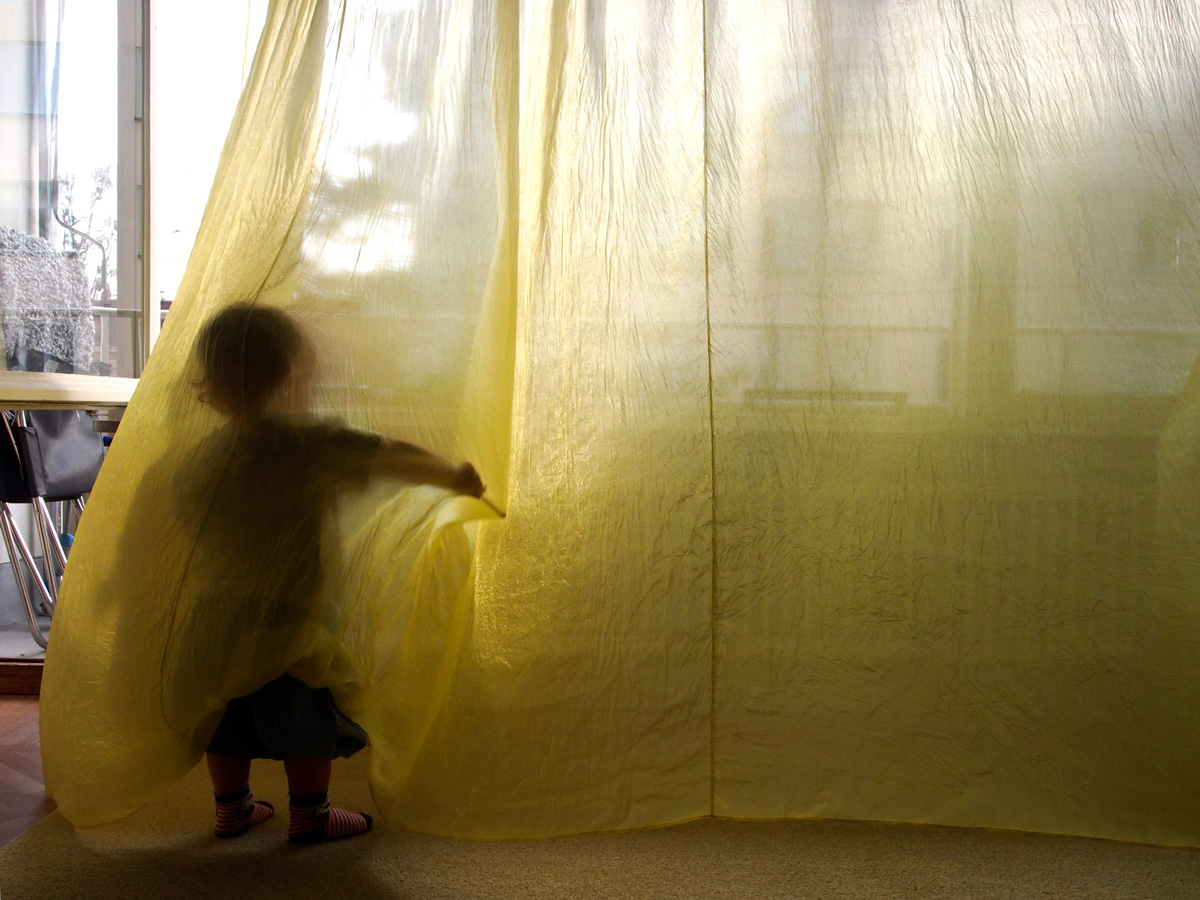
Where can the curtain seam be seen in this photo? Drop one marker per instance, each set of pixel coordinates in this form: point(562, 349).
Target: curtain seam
point(712, 444)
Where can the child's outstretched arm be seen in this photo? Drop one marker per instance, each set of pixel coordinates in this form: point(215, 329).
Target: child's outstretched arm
point(408, 462)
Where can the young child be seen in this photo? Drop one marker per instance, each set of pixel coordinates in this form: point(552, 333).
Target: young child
point(268, 481)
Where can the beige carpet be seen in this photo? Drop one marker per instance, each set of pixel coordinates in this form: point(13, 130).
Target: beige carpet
point(167, 851)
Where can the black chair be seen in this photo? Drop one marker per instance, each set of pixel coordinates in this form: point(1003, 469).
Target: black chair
point(46, 456)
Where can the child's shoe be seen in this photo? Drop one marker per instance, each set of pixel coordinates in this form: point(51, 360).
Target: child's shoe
point(314, 821)
point(239, 812)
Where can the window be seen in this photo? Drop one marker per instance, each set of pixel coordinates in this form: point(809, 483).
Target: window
point(189, 120)
point(71, 186)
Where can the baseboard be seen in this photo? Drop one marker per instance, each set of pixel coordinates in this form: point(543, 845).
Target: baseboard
point(20, 677)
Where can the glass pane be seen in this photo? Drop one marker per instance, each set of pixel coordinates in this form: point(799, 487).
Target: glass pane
point(189, 120)
point(60, 308)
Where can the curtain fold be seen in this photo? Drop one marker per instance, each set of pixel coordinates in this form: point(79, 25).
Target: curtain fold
point(834, 362)
point(358, 190)
point(109, 744)
point(583, 694)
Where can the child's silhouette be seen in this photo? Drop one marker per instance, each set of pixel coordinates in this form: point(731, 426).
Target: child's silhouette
point(266, 484)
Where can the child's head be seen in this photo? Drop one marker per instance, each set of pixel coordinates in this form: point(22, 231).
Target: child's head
point(247, 355)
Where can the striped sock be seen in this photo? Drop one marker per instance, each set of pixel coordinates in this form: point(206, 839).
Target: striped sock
point(238, 812)
point(313, 820)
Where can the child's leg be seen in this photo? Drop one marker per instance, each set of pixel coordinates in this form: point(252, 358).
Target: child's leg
point(237, 810)
point(228, 774)
point(313, 820)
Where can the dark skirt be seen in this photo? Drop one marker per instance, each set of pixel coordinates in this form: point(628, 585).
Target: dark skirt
point(286, 716)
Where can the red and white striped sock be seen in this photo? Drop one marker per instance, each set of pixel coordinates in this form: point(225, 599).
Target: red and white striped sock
point(237, 813)
point(313, 820)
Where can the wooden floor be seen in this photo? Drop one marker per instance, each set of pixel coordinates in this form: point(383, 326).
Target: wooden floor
point(22, 798)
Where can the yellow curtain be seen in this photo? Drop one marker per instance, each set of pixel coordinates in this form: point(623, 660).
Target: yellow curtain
point(954, 302)
point(846, 351)
point(364, 187)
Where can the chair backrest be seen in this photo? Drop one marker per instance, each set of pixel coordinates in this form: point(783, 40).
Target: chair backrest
point(15, 484)
point(53, 454)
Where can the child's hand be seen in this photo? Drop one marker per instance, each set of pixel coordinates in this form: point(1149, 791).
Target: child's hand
point(467, 481)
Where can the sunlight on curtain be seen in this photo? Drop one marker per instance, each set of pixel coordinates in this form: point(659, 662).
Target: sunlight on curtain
point(189, 120)
point(853, 406)
point(584, 695)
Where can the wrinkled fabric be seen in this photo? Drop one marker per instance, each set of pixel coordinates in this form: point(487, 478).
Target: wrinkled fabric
point(165, 615)
point(835, 362)
point(955, 321)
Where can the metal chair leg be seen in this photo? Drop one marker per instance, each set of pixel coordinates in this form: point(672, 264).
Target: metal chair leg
point(54, 559)
point(18, 551)
point(49, 574)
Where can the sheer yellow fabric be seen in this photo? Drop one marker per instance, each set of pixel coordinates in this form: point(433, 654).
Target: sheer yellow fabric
point(853, 412)
point(954, 312)
point(379, 231)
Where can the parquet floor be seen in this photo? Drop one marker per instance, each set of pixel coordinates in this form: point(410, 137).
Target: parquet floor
point(22, 798)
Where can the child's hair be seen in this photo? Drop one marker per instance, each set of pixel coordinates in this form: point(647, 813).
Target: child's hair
point(246, 353)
